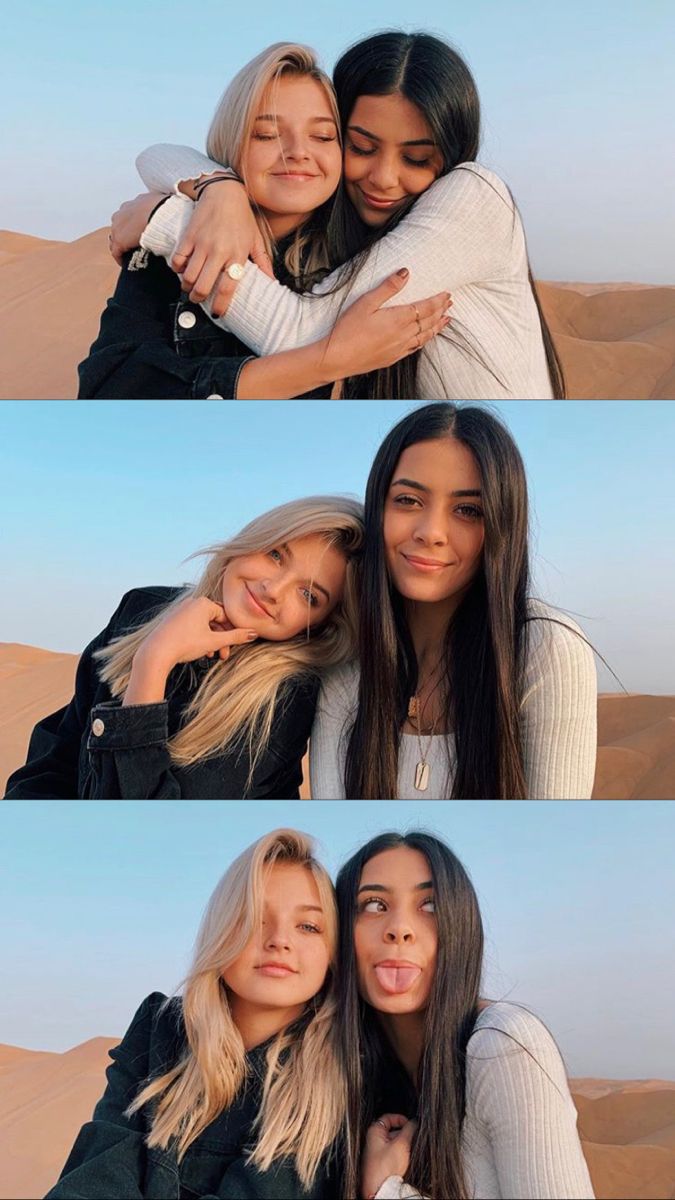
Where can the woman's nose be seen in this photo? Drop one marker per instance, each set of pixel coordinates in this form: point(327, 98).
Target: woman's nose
point(399, 933)
point(383, 173)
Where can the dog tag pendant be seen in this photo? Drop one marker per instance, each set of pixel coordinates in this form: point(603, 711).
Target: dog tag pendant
point(422, 776)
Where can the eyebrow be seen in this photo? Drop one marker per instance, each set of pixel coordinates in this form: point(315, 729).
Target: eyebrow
point(379, 887)
point(374, 138)
point(309, 908)
point(275, 117)
point(310, 582)
point(422, 488)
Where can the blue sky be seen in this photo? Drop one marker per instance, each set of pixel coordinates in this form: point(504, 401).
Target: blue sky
point(577, 99)
point(577, 899)
point(99, 498)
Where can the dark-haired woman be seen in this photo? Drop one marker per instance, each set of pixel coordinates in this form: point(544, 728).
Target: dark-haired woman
point(465, 686)
point(449, 1095)
point(414, 196)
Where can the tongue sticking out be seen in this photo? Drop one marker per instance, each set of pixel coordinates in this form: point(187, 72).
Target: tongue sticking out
point(397, 979)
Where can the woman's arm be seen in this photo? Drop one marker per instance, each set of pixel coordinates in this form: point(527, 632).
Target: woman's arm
point(335, 712)
point(136, 352)
point(559, 712)
point(518, 1094)
point(52, 761)
point(464, 229)
point(109, 1157)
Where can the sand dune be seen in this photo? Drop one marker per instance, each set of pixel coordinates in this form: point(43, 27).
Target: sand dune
point(626, 1126)
point(636, 734)
point(616, 341)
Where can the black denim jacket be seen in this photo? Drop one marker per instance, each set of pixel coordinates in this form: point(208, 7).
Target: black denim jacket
point(153, 344)
point(94, 748)
point(110, 1159)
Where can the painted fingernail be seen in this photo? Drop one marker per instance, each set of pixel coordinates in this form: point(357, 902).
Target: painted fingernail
point(404, 272)
point(251, 635)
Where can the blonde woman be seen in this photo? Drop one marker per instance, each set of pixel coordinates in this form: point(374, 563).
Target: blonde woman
point(209, 691)
point(278, 125)
point(217, 1093)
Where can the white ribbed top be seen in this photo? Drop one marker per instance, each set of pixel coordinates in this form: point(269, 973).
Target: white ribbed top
point(519, 1138)
point(463, 235)
point(558, 723)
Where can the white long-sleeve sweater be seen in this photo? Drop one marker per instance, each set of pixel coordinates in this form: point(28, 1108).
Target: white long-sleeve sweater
point(519, 1137)
point(463, 235)
point(558, 714)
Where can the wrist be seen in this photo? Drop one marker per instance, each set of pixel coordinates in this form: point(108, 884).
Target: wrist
point(330, 369)
point(149, 673)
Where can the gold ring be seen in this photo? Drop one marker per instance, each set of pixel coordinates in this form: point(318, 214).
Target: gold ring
point(235, 271)
point(417, 318)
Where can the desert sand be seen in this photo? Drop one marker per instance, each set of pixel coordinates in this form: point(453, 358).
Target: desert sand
point(636, 734)
point(616, 341)
point(627, 1127)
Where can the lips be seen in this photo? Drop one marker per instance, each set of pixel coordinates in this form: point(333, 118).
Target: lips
point(380, 202)
point(276, 970)
point(424, 564)
point(256, 602)
point(397, 976)
point(297, 176)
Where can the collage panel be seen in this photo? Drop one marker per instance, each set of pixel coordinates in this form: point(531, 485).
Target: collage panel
point(476, 629)
point(337, 1000)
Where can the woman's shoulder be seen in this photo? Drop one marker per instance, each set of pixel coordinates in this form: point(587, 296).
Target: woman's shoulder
point(143, 602)
point(158, 1019)
point(508, 1037)
point(509, 1022)
point(551, 632)
point(473, 184)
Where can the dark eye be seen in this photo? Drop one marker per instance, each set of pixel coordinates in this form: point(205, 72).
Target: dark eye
point(357, 149)
point(417, 162)
point(366, 905)
point(472, 511)
point(406, 501)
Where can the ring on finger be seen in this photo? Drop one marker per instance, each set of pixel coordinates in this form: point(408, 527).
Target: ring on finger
point(235, 271)
point(417, 318)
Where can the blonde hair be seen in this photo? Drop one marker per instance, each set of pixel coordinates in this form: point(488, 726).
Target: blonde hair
point(303, 1096)
point(237, 697)
point(231, 128)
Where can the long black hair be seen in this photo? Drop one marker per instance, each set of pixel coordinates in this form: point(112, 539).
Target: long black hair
point(436, 79)
point(435, 1165)
point(484, 646)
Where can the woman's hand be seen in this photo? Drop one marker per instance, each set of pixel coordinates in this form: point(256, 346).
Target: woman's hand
point(222, 231)
point(196, 627)
point(128, 223)
point(387, 1151)
point(367, 337)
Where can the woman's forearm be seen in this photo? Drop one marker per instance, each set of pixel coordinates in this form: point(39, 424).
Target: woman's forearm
point(287, 374)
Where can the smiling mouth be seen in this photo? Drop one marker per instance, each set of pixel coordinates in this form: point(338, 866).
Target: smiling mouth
point(256, 602)
point(424, 564)
point(376, 202)
point(276, 970)
point(297, 176)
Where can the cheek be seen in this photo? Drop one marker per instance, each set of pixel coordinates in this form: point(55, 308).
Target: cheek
point(354, 167)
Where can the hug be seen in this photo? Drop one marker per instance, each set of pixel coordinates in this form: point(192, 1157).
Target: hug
point(334, 1046)
point(402, 639)
point(341, 239)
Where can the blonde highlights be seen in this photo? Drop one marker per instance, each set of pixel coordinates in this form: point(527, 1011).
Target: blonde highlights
point(231, 128)
point(235, 701)
point(302, 1108)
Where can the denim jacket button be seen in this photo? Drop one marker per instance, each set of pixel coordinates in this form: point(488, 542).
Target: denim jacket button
point(97, 727)
point(214, 396)
point(187, 320)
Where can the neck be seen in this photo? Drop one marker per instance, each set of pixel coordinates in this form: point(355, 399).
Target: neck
point(405, 1034)
point(256, 1024)
point(428, 625)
